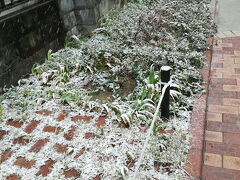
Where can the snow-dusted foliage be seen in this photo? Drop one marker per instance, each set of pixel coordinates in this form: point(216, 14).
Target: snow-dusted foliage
point(116, 73)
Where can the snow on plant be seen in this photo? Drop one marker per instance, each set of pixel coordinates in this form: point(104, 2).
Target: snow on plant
point(129, 48)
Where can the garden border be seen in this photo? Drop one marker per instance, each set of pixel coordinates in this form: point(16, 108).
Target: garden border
point(198, 120)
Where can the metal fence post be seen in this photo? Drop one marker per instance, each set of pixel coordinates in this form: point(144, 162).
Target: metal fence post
point(165, 78)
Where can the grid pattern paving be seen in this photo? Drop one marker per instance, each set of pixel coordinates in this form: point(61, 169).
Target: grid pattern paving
point(38, 145)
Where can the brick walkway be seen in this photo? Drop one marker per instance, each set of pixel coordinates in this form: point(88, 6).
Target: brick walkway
point(222, 134)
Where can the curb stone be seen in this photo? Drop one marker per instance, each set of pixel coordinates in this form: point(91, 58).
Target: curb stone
point(197, 125)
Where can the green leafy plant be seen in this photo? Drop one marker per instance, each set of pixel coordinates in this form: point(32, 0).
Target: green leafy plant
point(76, 41)
point(49, 55)
point(68, 97)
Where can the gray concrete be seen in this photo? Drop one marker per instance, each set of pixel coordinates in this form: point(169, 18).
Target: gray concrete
point(228, 15)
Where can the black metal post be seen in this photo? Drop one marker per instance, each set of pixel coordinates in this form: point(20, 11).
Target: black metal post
point(165, 78)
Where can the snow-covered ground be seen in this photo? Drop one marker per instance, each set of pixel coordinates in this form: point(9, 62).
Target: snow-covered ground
point(130, 46)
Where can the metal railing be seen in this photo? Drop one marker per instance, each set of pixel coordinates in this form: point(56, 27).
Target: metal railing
point(10, 3)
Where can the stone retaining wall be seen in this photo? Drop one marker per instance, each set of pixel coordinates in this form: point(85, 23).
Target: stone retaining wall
point(25, 38)
point(83, 15)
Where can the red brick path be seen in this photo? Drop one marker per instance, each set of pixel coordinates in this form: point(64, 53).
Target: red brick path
point(221, 159)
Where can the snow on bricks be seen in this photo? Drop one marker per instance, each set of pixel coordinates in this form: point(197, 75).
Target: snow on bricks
point(47, 168)
point(51, 129)
point(81, 118)
point(69, 173)
point(81, 152)
point(41, 142)
point(61, 148)
point(70, 133)
point(44, 112)
point(16, 124)
point(13, 177)
point(62, 116)
point(21, 140)
point(38, 146)
point(30, 128)
point(101, 121)
point(90, 135)
point(98, 177)
point(25, 163)
point(5, 155)
point(2, 134)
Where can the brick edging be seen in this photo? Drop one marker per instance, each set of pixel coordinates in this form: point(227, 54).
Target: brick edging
point(197, 126)
point(198, 120)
